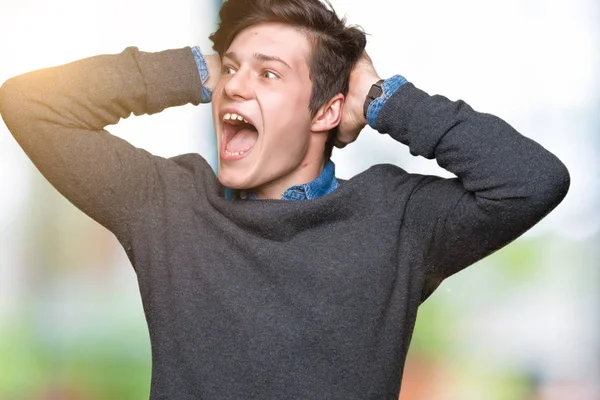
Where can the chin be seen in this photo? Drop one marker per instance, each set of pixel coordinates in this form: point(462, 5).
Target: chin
point(233, 180)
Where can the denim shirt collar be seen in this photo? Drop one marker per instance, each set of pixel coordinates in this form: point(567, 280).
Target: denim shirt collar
point(324, 184)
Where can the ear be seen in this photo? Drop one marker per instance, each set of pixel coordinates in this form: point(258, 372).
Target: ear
point(329, 115)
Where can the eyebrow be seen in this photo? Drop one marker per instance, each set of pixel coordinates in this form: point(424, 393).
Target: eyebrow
point(260, 57)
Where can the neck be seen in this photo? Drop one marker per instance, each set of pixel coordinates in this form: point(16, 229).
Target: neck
point(306, 172)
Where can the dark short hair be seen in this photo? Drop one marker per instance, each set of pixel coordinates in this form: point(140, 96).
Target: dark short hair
point(335, 46)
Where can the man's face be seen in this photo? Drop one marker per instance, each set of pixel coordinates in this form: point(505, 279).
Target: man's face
point(265, 82)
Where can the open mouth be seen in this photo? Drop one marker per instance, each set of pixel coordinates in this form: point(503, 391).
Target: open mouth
point(239, 136)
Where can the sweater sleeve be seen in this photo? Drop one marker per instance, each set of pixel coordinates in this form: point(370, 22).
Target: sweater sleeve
point(505, 182)
point(58, 116)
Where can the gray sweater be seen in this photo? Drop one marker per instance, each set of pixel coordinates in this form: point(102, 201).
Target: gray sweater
point(273, 299)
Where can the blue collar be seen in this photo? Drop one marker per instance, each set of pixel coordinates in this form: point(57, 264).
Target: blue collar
point(322, 185)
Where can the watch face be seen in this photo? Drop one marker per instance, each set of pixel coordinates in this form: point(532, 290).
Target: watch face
point(375, 92)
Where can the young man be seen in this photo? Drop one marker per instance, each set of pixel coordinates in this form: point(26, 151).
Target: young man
point(250, 297)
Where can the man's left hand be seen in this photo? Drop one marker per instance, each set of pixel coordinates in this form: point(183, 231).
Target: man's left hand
point(362, 77)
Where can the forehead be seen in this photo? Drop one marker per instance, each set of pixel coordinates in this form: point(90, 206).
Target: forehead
point(273, 39)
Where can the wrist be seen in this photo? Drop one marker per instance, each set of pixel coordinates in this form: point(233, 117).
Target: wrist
point(213, 63)
point(389, 87)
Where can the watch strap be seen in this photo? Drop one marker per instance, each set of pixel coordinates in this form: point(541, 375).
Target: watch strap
point(375, 92)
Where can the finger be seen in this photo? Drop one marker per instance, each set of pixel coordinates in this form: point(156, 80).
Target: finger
point(366, 56)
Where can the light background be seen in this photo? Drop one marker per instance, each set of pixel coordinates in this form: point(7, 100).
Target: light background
point(523, 324)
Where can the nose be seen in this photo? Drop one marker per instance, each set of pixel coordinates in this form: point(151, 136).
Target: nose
point(239, 86)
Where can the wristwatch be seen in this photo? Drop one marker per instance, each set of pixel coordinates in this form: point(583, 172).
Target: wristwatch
point(375, 92)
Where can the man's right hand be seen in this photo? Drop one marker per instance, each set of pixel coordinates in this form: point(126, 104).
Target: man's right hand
point(213, 61)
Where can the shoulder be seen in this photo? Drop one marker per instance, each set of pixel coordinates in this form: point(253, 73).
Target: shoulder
point(185, 172)
point(391, 182)
point(192, 163)
point(381, 176)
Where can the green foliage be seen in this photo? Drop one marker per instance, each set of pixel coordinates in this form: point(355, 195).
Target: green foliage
point(86, 370)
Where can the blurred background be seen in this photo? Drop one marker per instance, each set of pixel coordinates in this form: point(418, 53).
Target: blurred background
point(524, 324)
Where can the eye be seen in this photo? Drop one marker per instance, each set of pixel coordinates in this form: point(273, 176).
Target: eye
point(269, 75)
point(226, 70)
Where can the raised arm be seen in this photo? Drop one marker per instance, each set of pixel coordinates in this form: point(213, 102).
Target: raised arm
point(506, 182)
point(58, 116)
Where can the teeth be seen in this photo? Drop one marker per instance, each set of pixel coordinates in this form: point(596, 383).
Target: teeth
point(234, 116)
point(235, 154)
